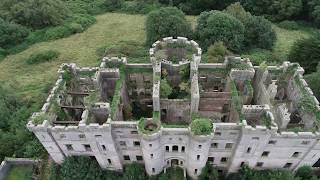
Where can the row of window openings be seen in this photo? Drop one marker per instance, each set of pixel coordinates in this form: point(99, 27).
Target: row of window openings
point(82, 136)
point(303, 142)
point(227, 146)
point(127, 158)
point(260, 164)
point(87, 147)
point(266, 153)
point(222, 160)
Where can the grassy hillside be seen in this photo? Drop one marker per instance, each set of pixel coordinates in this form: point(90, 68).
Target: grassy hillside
point(110, 29)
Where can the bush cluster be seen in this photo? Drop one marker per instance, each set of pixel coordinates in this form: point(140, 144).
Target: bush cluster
point(166, 22)
point(11, 34)
point(201, 126)
point(43, 56)
point(306, 52)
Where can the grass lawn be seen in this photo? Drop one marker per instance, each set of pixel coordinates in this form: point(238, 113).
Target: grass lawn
point(20, 173)
point(110, 29)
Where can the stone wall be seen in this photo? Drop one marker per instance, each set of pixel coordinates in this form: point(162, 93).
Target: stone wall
point(7, 164)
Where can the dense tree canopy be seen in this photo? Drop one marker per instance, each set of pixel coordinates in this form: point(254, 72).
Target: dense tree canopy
point(216, 26)
point(166, 22)
point(11, 33)
point(306, 52)
point(35, 13)
point(259, 33)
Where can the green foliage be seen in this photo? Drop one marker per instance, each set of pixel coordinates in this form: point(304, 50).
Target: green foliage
point(235, 98)
point(266, 120)
point(165, 88)
point(289, 25)
point(259, 33)
point(117, 91)
point(172, 173)
point(314, 82)
point(285, 9)
point(133, 50)
point(274, 9)
point(237, 11)
point(134, 171)
point(149, 126)
point(42, 57)
point(306, 52)
point(249, 88)
point(20, 172)
point(166, 22)
point(15, 139)
point(139, 7)
point(208, 172)
point(314, 11)
point(74, 168)
point(217, 52)
point(35, 13)
point(251, 174)
point(304, 172)
point(201, 126)
point(217, 26)
point(11, 33)
point(257, 56)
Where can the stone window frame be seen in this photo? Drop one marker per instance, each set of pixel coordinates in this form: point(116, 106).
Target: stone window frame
point(229, 146)
point(265, 154)
point(136, 143)
point(69, 147)
point(87, 147)
point(139, 158)
point(126, 157)
point(259, 164)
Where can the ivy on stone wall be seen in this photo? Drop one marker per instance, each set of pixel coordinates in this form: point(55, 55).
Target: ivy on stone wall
point(307, 103)
point(117, 91)
point(235, 98)
point(249, 88)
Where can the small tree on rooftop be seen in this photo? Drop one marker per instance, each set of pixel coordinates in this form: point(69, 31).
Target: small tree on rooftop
point(201, 126)
point(166, 22)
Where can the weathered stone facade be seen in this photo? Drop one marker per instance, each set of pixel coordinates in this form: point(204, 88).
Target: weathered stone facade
point(266, 117)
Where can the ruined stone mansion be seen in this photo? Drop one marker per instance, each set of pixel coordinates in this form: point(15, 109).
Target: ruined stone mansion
point(119, 113)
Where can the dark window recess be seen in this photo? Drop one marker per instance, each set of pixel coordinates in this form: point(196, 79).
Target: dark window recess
point(104, 147)
point(136, 143)
point(87, 147)
point(259, 164)
point(214, 145)
point(287, 165)
point(167, 148)
point(211, 159)
point(182, 149)
point(198, 157)
point(265, 154)
point(139, 158)
point(249, 150)
point(69, 147)
point(175, 148)
point(126, 158)
point(224, 159)
point(109, 161)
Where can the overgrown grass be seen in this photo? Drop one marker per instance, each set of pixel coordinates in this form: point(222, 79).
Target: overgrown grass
point(110, 30)
point(20, 173)
point(41, 57)
point(281, 49)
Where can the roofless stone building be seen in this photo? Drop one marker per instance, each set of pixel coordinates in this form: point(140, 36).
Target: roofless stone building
point(177, 111)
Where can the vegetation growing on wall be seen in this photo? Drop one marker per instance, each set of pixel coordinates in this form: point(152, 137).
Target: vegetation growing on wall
point(201, 126)
point(235, 98)
point(117, 91)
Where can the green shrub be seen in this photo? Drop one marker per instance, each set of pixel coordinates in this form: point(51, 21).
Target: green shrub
point(139, 7)
point(58, 32)
point(285, 9)
point(259, 33)
point(290, 25)
point(3, 53)
point(75, 28)
point(11, 33)
point(208, 172)
point(201, 126)
point(166, 22)
point(258, 56)
point(165, 88)
point(84, 20)
point(306, 52)
point(37, 13)
point(237, 11)
point(217, 26)
point(314, 11)
point(314, 82)
point(43, 56)
point(134, 171)
point(135, 51)
point(112, 5)
point(217, 52)
point(304, 172)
